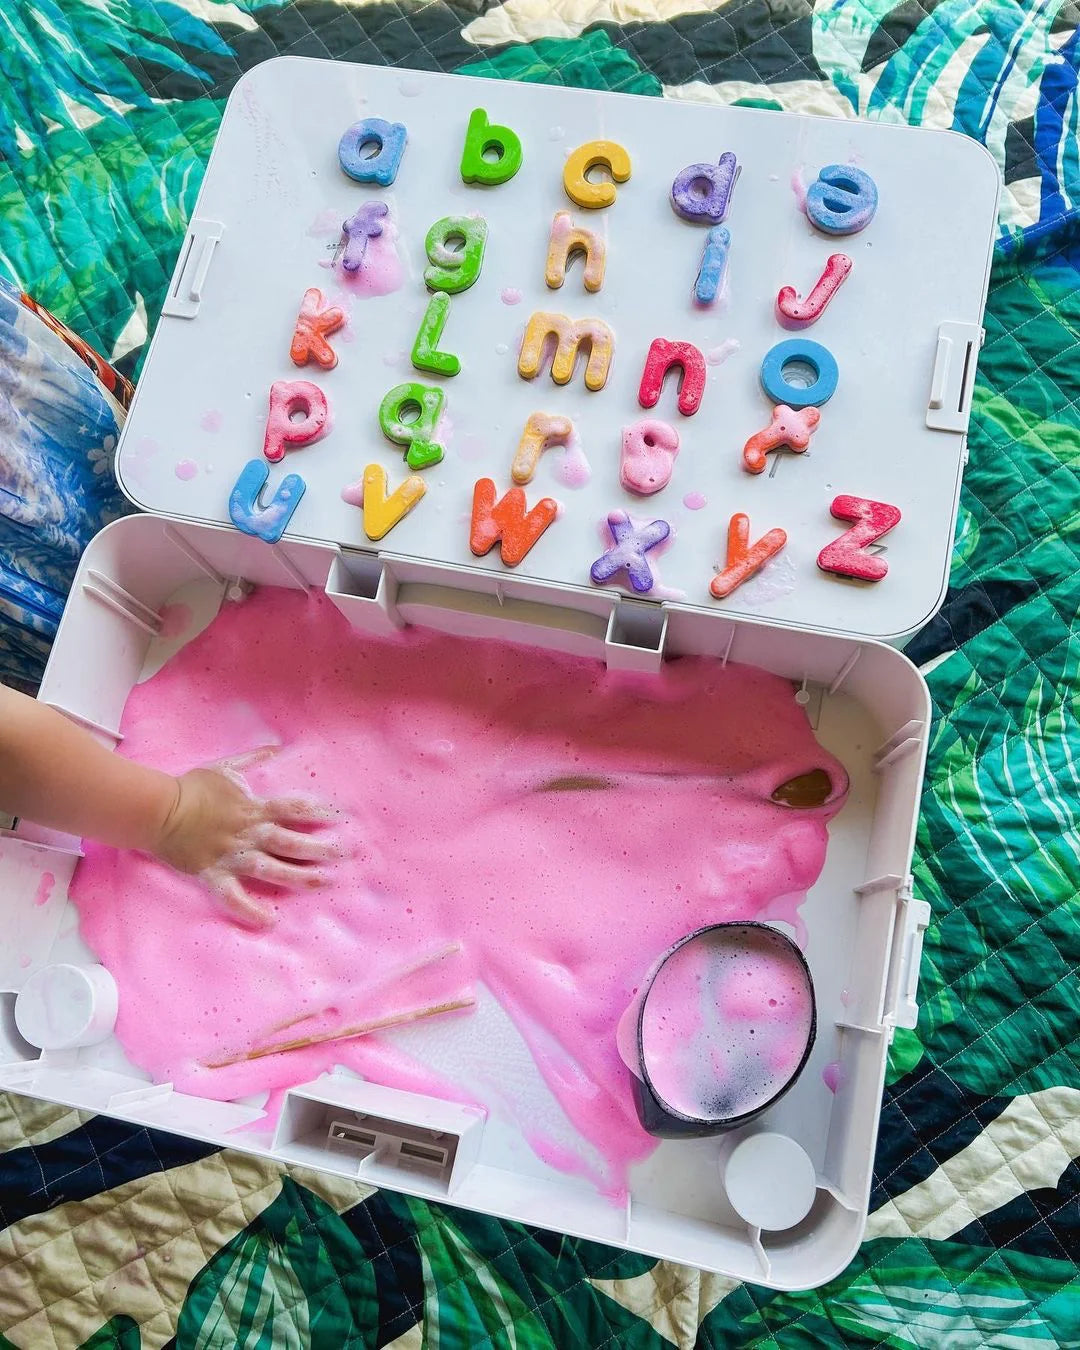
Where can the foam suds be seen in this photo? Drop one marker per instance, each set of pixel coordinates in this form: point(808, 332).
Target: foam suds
point(726, 1023)
point(563, 824)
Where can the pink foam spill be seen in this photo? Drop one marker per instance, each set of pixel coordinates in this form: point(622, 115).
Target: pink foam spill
point(212, 420)
point(510, 295)
point(564, 1159)
point(798, 186)
point(44, 891)
point(471, 448)
point(716, 356)
point(695, 501)
point(353, 493)
point(326, 225)
point(572, 468)
point(381, 271)
point(186, 469)
point(832, 1076)
point(442, 845)
point(725, 1026)
point(145, 449)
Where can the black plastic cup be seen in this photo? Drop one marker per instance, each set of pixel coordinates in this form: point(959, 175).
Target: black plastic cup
point(659, 1117)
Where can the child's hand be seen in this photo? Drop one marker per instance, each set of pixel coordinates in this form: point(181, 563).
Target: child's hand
point(219, 832)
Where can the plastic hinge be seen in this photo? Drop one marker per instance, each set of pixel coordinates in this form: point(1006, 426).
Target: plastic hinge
point(189, 282)
point(905, 1009)
point(953, 378)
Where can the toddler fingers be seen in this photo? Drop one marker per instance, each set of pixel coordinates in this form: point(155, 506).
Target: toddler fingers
point(292, 845)
point(240, 905)
point(274, 872)
point(247, 758)
point(298, 811)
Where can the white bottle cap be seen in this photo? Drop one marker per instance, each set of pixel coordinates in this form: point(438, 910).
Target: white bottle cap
point(62, 1007)
point(770, 1181)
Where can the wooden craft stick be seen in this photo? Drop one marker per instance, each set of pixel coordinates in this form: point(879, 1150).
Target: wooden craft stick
point(346, 1033)
point(398, 973)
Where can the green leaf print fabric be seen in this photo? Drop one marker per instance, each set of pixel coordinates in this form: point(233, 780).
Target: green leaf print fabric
point(114, 1235)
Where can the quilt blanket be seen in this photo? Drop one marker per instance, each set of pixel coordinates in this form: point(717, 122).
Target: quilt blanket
point(112, 1235)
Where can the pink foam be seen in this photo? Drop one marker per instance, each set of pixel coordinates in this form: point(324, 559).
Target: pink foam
point(725, 1026)
point(571, 467)
point(437, 753)
point(381, 272)
point(716, 356)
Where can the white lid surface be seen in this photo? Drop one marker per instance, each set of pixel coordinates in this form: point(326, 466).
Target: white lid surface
point(278, 194)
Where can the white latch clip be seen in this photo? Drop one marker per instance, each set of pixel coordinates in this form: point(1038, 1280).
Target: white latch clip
point(953, 380)
point(189, 280)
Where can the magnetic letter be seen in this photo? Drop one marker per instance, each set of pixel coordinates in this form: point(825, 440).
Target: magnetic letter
point(847, 556)
point(710, 277)
point(482, 136)
point(787, 427)
point(630, 544)
point(569, 335)
point(298, 415)
point(664, 354)
point(541, 430)
point(264, 522)
point(364, 224)
point(744, 558)
point(702, 192)
point(454, 269)
point(648, 455)
point(381, 167)
point(506, 522)
point(425, 352)
point(608, 155)
point(842, 200)
point(315, 322)
point(803, 352)
point(804, 312)
point(568, 239)
point(419, 433)
point(382, 512)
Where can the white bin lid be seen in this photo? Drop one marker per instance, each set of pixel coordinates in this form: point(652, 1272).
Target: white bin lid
point(275, 195)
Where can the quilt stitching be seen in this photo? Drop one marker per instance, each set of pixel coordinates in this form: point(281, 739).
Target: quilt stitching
point(1018, 500)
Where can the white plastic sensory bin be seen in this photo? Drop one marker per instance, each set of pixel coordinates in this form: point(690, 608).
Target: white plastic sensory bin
point(781, 1201)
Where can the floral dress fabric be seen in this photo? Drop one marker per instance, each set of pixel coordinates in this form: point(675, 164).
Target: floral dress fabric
point(58, 434)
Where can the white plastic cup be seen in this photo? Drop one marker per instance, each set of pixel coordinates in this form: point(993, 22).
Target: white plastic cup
point(770, 1181)
point(64, 1007)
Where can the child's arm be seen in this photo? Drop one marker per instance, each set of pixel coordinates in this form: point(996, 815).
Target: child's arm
point(203, 822)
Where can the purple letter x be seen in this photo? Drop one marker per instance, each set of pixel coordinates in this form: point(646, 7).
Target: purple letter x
point(631, 544)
